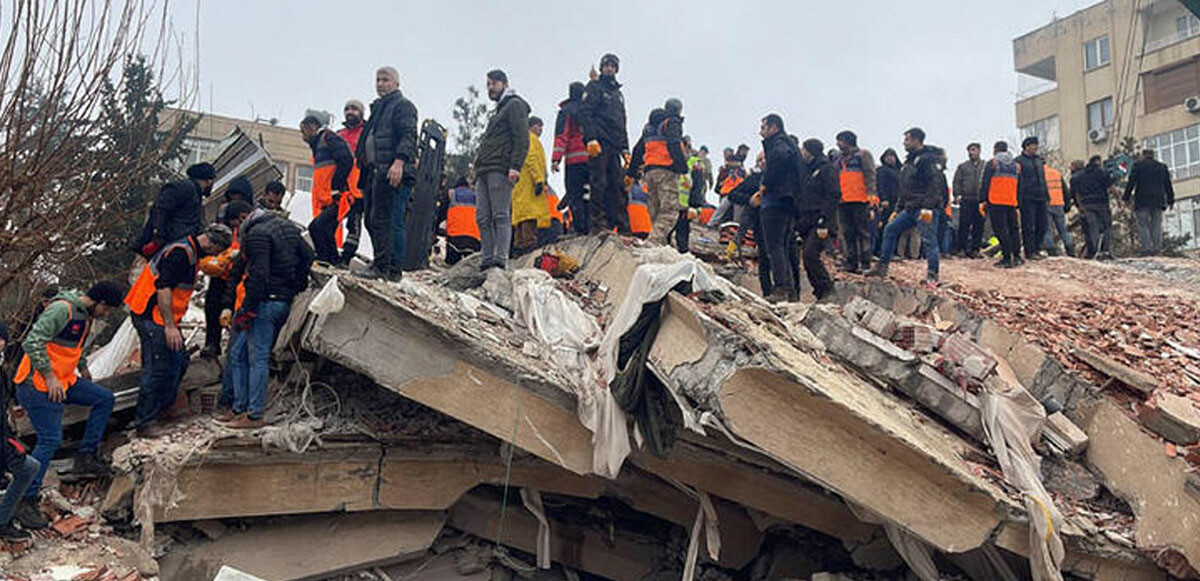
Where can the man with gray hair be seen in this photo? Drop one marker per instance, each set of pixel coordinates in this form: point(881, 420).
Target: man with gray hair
point(501, 154)
point(387, 155)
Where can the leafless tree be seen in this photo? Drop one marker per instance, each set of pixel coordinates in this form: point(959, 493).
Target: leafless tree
point(61, 173)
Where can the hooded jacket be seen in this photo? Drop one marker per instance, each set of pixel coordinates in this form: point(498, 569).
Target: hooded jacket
point(603, 114)
point(568, 133)
point(505, 142)
point(275, 260)
point(923, 179)
point(820, 191)
point(887, 179)
point(665, 126)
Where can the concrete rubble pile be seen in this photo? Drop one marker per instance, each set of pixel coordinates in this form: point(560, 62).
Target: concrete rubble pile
point(647, 419)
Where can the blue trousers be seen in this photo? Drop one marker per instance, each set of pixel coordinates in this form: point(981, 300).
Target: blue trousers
point(162, 368)
point(904, 220)
point(46, 417)
point(24, 469)
point(250, 358)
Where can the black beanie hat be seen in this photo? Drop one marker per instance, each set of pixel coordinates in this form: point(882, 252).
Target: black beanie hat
point(814, 147)
point(107, 292)
point(240, 185)
point(202, 171)
point(1028, 141)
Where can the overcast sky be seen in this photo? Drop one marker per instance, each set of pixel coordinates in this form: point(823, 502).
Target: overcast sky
point(873, 66)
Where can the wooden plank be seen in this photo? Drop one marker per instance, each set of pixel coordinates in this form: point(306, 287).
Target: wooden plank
point(1137, 380)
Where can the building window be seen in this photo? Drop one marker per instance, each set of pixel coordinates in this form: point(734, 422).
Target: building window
point(198, 150)
point(1095, 53)
point(304, 178)
point(1100, 114)
point(1187, 26)
point(1046, 130)
point(1180, 150)
point(1195, 225)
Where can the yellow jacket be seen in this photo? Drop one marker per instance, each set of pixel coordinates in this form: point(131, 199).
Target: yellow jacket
point(526, 203)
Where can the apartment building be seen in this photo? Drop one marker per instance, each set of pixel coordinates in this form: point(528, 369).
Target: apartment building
point(1115, 70)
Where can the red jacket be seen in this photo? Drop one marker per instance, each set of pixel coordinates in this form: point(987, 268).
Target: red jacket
point(351, 135)
point(568, 135)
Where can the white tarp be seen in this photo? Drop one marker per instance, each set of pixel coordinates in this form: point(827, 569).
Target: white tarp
point(105, 361)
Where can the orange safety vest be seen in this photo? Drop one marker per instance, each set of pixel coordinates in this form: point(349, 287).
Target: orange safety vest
point(639, 211)
point(552, 202)
point(854, 185)
point(655, 141)
point(1054, 185)
point(65, 351)
point(142, 295)
point(732, 180)
point(460, 216)
point(1002, 189)
point(706, 214)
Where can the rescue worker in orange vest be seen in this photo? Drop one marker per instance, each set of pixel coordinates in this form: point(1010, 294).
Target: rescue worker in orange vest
point(856, 176)
point(1059, 205)
point(332, 161)
point(54, 372)
point(462, 232)
point(558, 223)
point(350, 207)
point(659, 155)
point(999, 196)
point(639, 210)
point(731, 175)
point(157, 302)
point(238, 196)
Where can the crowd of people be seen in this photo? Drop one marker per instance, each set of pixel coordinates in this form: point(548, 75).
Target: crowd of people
point(797, 203)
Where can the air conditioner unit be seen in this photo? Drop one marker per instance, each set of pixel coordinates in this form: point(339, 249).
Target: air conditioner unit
point(1192, 104)
point(1098, 135)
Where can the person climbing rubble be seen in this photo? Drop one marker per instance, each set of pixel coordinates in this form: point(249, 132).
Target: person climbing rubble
point(13, 459)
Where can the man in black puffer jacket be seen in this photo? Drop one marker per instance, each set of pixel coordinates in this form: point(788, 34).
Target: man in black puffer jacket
point(387, 156)
point(178, 210)
point(815, 206)
point(1089, 186)
point(602, 116)
point(276, 262)
point(922, 193)
point(1033, 198)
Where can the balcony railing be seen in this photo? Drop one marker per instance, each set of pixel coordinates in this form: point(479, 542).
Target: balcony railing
point(1163, 42)
point(1031, 91)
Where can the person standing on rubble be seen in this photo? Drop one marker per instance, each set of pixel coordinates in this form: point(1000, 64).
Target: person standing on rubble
point(819, 196)
point(570, 148)
point(922, 192)
point(498, 162)
point(157, 302)
point(1149, 185)
point(240, 193)
point(1033, 197)
point(387, 156)
point(178, 210)
point(530, 212)
point(775, 200)
point(54, 372)
point(968, 180)
point(275, 265)
point(13, 459)
point(887, 179)
point(351, 207)
point(999, 194)
point(1057, 208)
point(660, 157)
point(857, 184)
point(332, 161)
point(602, 116)
point(1089, 188)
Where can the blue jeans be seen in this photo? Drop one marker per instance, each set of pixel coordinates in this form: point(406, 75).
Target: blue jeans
point(24, 469)
point(1058, 223)
point(250, 357)
point(237, 341)
point(162, 368)
point(904, 220)
point(46, 417)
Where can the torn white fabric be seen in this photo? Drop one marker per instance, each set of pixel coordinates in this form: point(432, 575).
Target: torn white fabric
point(533, 503)
point(555, 320)
point(329, 299)
point(106, 360)
point(1012, 419)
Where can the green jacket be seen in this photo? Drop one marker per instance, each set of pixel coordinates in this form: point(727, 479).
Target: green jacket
point(48, 325)
point(505, 142)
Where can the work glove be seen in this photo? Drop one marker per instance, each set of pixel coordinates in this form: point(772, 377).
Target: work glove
point(692, 213)
point(927, 216)
point(594, 149)
point(822, 233)
point(628, 182)
point(226, 318)
point(151, 248)
point(243, 321)
point(983, 210)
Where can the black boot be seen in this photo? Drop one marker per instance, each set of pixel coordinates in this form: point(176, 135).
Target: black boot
point(29, 515)
point(8, 532)
point(89, 466)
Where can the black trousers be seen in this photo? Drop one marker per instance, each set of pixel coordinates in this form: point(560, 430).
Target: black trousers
point(855, 236)
point(1004, 225)
point(608, 196)
point(814, 246)
point(323, 230)
point(576, 179)
point(354, 224)
point(683, 232)
point(970, 225)
point(1098, 219)
point(214, 303)
point(778, 250)
point(460, 247)
point(1035, 219)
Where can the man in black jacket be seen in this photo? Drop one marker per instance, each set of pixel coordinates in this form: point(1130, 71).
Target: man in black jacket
point(603, 118)
point(498, 162)
point(887, 180)
point(1033, 198)
point(1149, 184)
point(275, 261)
point(332, 162)
point(178, 210)
point(13, 459)
point(387, 156)
point(1089, 187)
point(777, 210)
point(968, 179)
point(922, 193)
point(819, 195)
